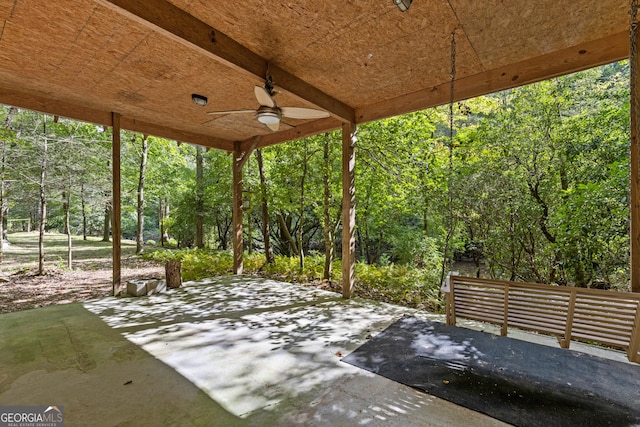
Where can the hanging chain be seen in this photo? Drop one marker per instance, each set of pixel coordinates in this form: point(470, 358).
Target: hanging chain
point(633, 54)
point(452, 86)
point(451, 227)
point(451, 119)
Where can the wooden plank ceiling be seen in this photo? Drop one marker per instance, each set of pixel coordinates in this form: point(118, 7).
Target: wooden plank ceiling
point(358, 60)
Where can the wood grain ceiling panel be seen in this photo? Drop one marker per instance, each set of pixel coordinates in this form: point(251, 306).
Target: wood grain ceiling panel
point(358, 52)
point(351, 55)
point(503, 32)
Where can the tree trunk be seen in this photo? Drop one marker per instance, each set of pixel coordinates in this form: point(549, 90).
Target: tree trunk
point(199, 197)
point(249, 229)
point(302, 205)
point(3, 201)
point(326, 203)
point(43, 203)
point(266, 226)
point(142, 170)
point(106, 231)
point(2, 206)
point(286, 234)
point(161, 220)
point(163, 215)
point(367, 240)
point(84, 213)
point(66, 196)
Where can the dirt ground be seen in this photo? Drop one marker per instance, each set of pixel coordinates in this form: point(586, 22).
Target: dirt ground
point(25, 291)
point(91, 276)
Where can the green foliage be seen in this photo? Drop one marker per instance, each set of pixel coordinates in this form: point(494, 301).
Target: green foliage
point(543, 180)
point(414, 287)
point(288, 268)
point(196, 263)
point(400, 284)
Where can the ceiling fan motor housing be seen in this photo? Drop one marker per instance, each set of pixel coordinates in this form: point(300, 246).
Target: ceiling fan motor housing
point(268, 115)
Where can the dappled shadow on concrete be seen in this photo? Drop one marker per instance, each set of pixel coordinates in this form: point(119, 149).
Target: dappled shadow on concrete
point(513, 380)
point(267, 351)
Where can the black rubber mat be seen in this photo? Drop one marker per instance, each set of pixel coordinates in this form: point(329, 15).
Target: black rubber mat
point(515, 381)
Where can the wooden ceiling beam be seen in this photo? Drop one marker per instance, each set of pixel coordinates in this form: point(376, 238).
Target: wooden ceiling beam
point(54, 107)
point(74, 111)
point(190, 31)
point(206, 141)
point(565, 61)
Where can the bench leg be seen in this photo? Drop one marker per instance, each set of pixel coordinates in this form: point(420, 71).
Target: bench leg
point(564, 343)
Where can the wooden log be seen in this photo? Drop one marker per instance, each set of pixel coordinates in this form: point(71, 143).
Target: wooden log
point(173, 274)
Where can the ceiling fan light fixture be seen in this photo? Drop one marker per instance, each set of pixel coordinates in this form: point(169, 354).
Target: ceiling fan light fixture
point(402, 5)
point(268, 117)
point(199, 100)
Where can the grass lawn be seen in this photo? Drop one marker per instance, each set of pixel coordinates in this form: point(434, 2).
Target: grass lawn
point(21, 254)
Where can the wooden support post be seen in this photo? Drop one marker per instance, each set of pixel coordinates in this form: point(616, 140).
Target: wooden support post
point(240, 157)
point(237, 209)
point(348, 208)
point(635, 152)
point(450, 301)
point(115, 206)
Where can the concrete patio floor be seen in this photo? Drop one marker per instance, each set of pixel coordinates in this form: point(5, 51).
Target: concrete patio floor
point(220, 352)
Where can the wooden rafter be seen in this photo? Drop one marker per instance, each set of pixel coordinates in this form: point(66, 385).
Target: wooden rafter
point(185, 28)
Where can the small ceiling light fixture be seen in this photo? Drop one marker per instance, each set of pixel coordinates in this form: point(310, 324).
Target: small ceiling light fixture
point(199, 100)
point(268, 117)
point(403, 5)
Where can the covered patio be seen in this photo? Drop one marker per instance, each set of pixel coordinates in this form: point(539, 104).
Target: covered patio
point(243, 351)
point(225, 351)
point(222, 352)
point(159, 67)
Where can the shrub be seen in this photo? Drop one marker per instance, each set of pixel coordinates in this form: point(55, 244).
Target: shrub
point(410, 286)
point(404, 285)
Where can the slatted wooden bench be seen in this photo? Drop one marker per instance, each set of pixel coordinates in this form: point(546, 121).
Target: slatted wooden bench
point(568, 313)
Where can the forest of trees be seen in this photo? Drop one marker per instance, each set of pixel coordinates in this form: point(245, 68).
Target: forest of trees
point(532, 184)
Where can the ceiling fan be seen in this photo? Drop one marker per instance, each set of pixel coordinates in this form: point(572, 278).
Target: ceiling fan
point(270, 114)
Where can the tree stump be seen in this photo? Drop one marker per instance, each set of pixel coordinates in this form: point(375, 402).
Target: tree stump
point(173, 274)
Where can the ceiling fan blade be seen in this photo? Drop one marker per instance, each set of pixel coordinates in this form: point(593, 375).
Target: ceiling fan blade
point(232, 112)
point(303, 113)
point(274, 126)
point(263, 97)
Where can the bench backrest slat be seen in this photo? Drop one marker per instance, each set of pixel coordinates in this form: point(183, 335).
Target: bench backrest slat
point(604, 317)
